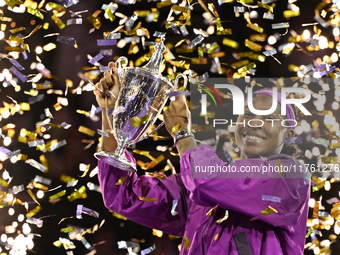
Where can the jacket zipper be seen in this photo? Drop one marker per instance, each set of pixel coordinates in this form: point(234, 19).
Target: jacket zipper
point(205, 228)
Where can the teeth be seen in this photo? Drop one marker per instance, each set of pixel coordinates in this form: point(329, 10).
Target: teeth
point(254, 137)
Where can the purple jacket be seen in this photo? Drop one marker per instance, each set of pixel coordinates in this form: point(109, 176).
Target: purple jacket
point(202, 202)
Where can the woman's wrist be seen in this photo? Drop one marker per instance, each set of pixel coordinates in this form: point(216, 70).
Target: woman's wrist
point(185, 144)
point(181, 134)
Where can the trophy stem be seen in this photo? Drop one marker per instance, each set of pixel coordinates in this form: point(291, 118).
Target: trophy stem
point(123, 142)
point(117, 158)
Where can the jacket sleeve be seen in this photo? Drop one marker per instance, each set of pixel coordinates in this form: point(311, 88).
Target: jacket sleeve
point(247, 193)
point(147, 200)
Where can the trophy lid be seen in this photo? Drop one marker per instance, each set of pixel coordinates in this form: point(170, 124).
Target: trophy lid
point(156, 59)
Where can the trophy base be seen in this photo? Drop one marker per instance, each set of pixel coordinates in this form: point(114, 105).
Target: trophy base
point(116, 161)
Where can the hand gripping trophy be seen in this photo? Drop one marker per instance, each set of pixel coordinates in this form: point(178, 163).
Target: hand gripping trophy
point(144, 92)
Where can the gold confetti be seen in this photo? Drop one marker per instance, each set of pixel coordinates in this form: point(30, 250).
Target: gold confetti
point(118, 216)
point(163, 4)
point(230, 43)
point(33, 211)
point(22, 157)
point(3, 183)
point(334, 145)
point(66, 178)
point(67, 230)
point(255, 27)
point(36, 13)
point(269, 210)
point(44, 162)
point(136, 121)
point(186, 243)
point(110, 14)
point(253, 46)
point(266, 6)
point(55, 198)
point(95, 21)
point(121, 180)
point(50, 46)
point(148, 199)
point(86, 131)
point(16, 30)
point(290, 13)
point(57, 106)
point(59, 22)
point(316, 210)
point(157, 175)
point(329, 160)
point(246, 67)
point(79, 194)
point(29, 191)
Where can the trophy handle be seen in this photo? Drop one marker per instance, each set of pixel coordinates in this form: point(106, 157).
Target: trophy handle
point(120, 66)
point(185, 81)
point(147, 135)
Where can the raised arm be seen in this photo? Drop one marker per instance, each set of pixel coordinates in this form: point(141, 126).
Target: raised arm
point(106, 92)
point(149, 201)
point(247, 193)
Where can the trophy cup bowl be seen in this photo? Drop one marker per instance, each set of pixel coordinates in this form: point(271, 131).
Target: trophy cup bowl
point(144, 92)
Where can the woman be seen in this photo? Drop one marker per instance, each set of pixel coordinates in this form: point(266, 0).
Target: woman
point(223, 213)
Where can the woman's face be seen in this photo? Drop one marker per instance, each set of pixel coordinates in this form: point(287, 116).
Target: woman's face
point(261, 141)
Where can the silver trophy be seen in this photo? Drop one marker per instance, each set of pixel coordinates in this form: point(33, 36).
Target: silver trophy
point(144, 92)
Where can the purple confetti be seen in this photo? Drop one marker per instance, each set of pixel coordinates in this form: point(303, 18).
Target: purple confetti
point(107, 52)
point(106, 42)
point(24, 53)
point(15, 71)
point(179, 93)
point(148, 250)
point(66, 39)
point(271, 198)
point(16, 64)
point(320, 67)
point(327, 71)
point(5, 151)
point(103, 69)
point(79, 211)
point(36, 164)
point(96, 58)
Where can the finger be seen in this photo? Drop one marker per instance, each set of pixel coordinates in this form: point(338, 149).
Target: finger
point(98, 87)
point(108, 78)
point(115, 76)
point(111, 66)
point(98, 92)
point(180, 98)
point(103, 84)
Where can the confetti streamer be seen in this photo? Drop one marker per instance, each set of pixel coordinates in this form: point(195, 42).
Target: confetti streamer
point(173, 209)
point(86, 131)
point(32, 196)
point(280, 25)
point(66, 40)
point(74, 21)
point(269, 210)
point(106, 42)
point(36, 164)
point(16, 64)
point(96, 58)
point(196, 41)
point(148, 250)
point(18, 74)
point(271, 198)
point(148, 199)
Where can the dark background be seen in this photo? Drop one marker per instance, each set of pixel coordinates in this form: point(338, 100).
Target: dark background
point(66, 61)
